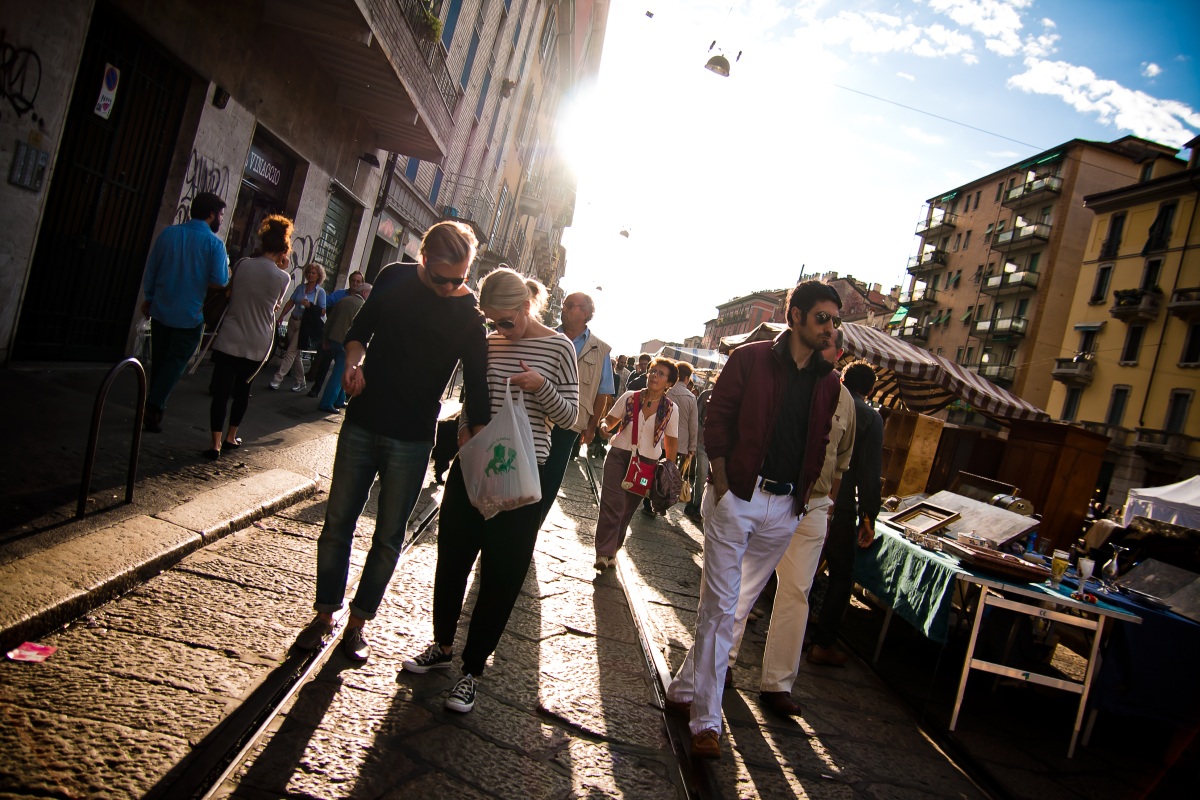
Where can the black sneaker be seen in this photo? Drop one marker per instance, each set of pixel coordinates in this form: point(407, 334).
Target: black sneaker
point(315, 634)
point(462, 696)
point(432, 658)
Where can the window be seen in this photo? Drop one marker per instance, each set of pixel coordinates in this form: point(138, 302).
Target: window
point(1191, 347)
point(936, 278)
point(465, 76)
point(549, 33)
point(1147, 172)
point(1133, 344)
point(1151, 273)
point(998, 311)
point(1000, 226)
point(1071, 404)
point(1022, 307)
point(977, 194)
point(967, 240)
point(1045, 215)
point(945, 243)
point(1012, 182)
point(487, 81)
point(999, 191)
point(1116, 405)
point(410, 170)
point(971, 354)
point(1034, 258)
point(1160, 229)
point(1100, 289)
point(437, 186)
point(453, 10)
point(957, 240)
point(987, 235)
point(500, 206)
point(1087, 341)
point(516, 33)
point(1177, 410)
point(958, 357)
point(1112, 242)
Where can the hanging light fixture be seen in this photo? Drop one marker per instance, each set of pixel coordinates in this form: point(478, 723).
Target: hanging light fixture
point(719, 63)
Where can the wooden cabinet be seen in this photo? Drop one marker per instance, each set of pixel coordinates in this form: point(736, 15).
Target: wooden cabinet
point(910, 443)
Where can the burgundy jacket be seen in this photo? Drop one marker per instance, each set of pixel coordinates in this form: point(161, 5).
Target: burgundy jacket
point(741, 416)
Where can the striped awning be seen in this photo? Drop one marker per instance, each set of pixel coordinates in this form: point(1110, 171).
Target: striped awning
point(698, 358)
point(916, 379)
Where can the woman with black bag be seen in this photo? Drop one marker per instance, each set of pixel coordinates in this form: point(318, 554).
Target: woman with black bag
point(308, 301)
point(648, 415)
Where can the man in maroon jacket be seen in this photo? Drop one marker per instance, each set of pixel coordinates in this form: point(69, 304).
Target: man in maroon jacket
point(765, 433)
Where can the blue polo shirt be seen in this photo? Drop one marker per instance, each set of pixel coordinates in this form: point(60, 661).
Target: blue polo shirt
point(607, 384)
point(184, 261)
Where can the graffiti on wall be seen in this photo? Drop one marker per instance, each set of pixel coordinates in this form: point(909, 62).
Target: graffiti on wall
point(203, 175)
point(20, 77)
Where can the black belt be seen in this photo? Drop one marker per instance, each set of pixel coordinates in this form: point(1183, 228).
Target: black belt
point(778, 488)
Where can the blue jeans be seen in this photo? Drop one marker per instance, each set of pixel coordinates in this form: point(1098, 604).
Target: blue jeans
point(334, 394)
point(401, 467)
point(170, 351)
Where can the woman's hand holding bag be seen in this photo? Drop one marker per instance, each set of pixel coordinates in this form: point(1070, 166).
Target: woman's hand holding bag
point(499, 464)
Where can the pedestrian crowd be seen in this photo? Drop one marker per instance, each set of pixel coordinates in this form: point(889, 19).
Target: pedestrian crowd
point(778, 460)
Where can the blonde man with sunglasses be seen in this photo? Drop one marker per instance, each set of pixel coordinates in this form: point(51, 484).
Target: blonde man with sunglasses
point(419, 321)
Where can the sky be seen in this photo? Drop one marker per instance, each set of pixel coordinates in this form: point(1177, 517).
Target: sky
point(837, 123)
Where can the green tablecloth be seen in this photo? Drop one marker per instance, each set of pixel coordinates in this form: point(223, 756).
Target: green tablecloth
point(917, 584)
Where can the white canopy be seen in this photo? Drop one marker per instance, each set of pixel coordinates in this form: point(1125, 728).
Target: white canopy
point(1177, 503)
point(698, 358)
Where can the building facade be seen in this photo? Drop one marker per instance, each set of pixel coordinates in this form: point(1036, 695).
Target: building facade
point(365, 121)
point(998, 254)
point(1129, 362)
point(744, 314)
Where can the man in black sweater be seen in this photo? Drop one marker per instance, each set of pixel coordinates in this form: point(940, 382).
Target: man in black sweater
point(854, 513)
point(420, 320)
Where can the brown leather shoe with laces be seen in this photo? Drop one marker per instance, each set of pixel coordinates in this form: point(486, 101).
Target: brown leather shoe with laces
point(826, 656)
point(780, 703)
point(706, 744)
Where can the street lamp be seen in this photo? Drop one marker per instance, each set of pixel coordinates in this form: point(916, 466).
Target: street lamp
point(719, 63)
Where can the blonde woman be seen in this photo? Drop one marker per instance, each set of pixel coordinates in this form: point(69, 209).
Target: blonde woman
point(541, 363)
point(307, 294)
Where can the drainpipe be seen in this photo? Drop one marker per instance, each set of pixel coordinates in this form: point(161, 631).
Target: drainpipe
point(1158, 349)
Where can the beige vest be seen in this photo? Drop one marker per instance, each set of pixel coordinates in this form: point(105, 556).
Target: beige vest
point(591, 364)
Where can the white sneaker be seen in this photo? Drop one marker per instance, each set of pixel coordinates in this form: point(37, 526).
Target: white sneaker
point(273, 385)
point(300, 387)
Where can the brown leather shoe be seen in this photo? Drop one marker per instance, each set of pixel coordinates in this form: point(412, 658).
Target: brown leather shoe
point(681, 707)
point(826, 656)
point(779, 702)
point(706, 744)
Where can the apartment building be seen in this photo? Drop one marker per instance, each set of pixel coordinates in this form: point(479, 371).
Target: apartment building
point(1000, 254)
point(744, 314)
point(1129, 362)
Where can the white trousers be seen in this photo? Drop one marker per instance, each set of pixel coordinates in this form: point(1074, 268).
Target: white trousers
point(743, 541)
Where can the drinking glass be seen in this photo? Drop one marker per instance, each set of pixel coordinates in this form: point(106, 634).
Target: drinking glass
point(1058, 567)
point(1085, 567)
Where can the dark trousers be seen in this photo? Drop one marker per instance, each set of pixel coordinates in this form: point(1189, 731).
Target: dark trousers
point(170, 351)
point(320, 367)
point(504, 545)
point(616, 504)
point(840, 544)
point(230, 379)
point(562, 449)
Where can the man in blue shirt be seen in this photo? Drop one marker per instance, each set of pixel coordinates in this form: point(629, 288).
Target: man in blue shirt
point(596, 389)
point(316, 375)
point(185, 261)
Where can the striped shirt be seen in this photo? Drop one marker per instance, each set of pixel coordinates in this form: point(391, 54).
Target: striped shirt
point(557, 402)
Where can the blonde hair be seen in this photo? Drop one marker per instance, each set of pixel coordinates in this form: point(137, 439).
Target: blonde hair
point(504, 289)
point(449, 242)
point(320, 272)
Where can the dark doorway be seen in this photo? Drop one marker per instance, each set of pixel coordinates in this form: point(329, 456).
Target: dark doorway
point(104, 199)
point(266, 183)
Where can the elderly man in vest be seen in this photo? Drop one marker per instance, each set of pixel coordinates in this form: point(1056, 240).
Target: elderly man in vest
point(596, 389)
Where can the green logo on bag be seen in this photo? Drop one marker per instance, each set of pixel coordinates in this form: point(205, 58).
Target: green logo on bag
point(503, 459)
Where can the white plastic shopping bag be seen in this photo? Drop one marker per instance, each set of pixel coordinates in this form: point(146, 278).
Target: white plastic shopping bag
point(499, 464)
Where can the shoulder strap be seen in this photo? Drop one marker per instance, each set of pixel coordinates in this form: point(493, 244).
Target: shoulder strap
point(637, 412)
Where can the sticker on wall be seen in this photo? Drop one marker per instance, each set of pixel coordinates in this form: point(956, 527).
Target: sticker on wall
point(108, 91)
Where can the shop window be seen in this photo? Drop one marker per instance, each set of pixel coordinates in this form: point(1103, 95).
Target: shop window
point(1133, 345)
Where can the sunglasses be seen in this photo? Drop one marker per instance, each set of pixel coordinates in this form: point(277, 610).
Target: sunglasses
point(503, 324)
point(824, 316)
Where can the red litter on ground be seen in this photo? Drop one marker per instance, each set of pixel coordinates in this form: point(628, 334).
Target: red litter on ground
point(31, 651)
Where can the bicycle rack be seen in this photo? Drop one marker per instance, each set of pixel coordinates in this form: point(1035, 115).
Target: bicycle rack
point(89, 461)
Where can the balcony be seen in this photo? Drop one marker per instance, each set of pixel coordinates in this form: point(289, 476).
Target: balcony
point(1161, 444)
point(1000, 328)
point(918, 298)
point(1010, 283)
point(913, 333)
point(936, 223)
point(532, 201)
point(1118, 437)
point(503, 251)
point(1075, 371)
point(999, 374)
point(1035, 235)
point(1185, 304)
point(1136, 305)
point(469, 201)
point(924, 262)
point(1037, 191)
point(412, 207)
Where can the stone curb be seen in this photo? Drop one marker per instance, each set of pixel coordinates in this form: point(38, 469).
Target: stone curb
point(54, 586)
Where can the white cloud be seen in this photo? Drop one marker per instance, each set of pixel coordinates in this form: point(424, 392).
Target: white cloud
point(1167, 121)
point(906, 76)
point(874, 33)
point(1048, 23)
point(998, 21)
point(921, 136)
point(1150, 69)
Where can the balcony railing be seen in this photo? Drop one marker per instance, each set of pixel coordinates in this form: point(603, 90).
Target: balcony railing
point(1164, 444)
point(412, 207)
point(1020, 238)
point(1002, 326)
point(1075, 371)
point(1118, 437)
point(468, 200)
point(507, 251)
point(432, 52)
point(1110, 248)
point(1136, 305)
point(937, 223)
point(918, 298)
point(1010, 283)
point(1003, 374)
point(923, 262)
point(913, 333)
point(1032, 192)
point(1185, 304)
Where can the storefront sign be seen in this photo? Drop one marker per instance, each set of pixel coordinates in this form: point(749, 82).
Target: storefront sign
point(259, 164)
point(108, 91)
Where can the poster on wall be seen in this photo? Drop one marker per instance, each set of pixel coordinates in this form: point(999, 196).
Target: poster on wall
point(108, 91)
